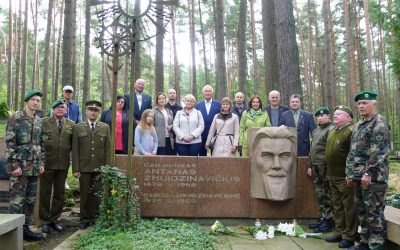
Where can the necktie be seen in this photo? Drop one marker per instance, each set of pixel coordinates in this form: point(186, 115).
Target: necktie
point(59, 127)
point(92, 126)
point(296, 118)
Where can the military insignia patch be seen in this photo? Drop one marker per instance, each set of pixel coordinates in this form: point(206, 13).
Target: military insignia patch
point(379, 138)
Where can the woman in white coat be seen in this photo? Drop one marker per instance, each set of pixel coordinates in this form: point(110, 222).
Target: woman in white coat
point(225, 127)
point(188, 126)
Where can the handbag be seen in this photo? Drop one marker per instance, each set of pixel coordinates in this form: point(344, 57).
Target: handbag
point(214, 139)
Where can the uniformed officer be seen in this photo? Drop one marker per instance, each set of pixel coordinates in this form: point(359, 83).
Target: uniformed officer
point(58, 144)
point(337, 148)
point(90, 151)
point(317, 169)
point(25, 158)
point(367, 168)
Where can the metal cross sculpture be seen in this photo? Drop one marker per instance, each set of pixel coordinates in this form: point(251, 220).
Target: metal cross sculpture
point(123, 23)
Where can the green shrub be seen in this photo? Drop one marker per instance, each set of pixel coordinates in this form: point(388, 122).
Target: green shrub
point(4, 110)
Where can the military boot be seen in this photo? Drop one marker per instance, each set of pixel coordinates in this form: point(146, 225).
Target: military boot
point(316, 224)
point(31, 236)
point(325, 226)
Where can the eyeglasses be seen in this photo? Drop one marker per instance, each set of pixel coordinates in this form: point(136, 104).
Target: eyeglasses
point(68, 91)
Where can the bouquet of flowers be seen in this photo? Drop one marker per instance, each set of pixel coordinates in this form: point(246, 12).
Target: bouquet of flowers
point(219, 229)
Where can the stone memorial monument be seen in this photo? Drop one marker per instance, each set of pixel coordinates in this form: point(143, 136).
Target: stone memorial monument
point(273, 157)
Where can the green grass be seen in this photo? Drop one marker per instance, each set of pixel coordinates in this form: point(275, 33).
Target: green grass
point(158, 234)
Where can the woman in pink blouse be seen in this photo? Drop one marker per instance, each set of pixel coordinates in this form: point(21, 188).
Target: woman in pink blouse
point(121, 125)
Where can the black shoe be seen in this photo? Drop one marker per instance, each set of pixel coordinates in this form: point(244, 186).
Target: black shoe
point(31, 236)
point(325, 226)
point(360, 247)
point(345, 243)
point(333, 239)
point(57, 226)
point(46, 228)
point(315, 225)
point(83, 225)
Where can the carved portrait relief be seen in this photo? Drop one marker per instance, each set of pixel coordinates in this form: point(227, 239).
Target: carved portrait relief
point(273, 153)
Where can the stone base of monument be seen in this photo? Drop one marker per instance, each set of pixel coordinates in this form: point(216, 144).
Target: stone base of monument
point(392, 216)
point(11, 231)
point(212, 187)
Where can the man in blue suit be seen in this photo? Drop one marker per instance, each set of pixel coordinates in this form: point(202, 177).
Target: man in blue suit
point(302, 120)
point(274, 109)
point(208, 108)
point(142, 101)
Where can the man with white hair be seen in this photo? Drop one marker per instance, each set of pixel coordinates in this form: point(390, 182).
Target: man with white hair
point(208, 108)
point(275, 109)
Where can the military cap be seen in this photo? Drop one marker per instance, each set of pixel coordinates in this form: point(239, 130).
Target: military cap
point(31, 93)
point(345, 109)
point(365, 95)
point(57, 102)
point(94, 104)
point(321, 111)
point(68, 87)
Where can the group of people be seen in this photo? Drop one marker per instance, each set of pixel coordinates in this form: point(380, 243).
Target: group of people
point(350, 166)
point(40, 150)
point(349, 163)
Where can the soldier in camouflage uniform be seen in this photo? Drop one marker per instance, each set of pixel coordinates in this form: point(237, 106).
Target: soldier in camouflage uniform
point(367, 168)
point(25, 158)
point(317, 169)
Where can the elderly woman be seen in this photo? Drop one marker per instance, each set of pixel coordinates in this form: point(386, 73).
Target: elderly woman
point(225, 128)
point(121, 125)
point(253, 117)
point(163, 118)
point(188, 126)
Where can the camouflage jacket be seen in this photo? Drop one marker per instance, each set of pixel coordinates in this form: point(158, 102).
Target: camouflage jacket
point(318, 144)
point(369, 149)
point(24, 143)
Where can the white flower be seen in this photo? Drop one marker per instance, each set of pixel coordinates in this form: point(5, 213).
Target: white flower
point(261, 235)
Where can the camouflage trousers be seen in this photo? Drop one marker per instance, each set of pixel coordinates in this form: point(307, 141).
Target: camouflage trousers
point(370, 204)
point(322, 191)
point(23, 191)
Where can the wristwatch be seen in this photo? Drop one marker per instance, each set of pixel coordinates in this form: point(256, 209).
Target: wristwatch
point(366, 174)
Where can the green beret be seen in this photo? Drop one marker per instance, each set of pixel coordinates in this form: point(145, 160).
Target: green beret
point(366, 95)
point(321, 111)
point(31, 93)
point(345, 109)
point(93, 104)
point(57, 102)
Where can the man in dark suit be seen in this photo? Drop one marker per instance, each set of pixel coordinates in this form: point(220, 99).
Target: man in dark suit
point(142, 101)
point(275, 109)
point(90, 151)
point(58, 144)
point(208, 108)
point(302, 120)
point(239, 106)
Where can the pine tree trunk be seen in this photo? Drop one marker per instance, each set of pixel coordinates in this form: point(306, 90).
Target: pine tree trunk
point(17, 103)
point(24, 52)
point(220, 50)
point(86, 58)
point(369, 48)
point(66, 64)
point(176, 63)
point(53, 93)
point(159, 67)
point(10, 56)
point(329, 90)
point(358, 46)
point(350, 79)
point(60, 28)
point(254, 48)
point(270, 46)
point(47, 56)
point(192, 47)
point(203, 39)
point(241, 47)
point(35, 45)
point(288, 55)
point(73, 50)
